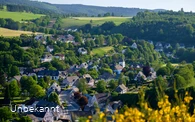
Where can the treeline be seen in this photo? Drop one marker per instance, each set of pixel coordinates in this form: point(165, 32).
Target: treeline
point(21, 8)
point(169, 26)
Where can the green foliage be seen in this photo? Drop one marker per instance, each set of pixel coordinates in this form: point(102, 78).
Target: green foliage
point(14, 88)
point(25, 119)
point(53, 97)
point(5, 114)
point(94, 73)
point(82, 85)
point(101, 86)
point(37, 91)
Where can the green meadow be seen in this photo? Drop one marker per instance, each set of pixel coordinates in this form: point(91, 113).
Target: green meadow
point(101, 51)
point(19, 16)
point(80, 21)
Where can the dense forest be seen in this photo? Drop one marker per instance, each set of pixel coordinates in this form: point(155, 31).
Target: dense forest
point(81, 9)
point(169, 26)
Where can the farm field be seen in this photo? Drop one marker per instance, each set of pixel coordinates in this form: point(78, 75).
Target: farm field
point(101, 51)
point(19, 16)
point(11, 33)
point(80, 21)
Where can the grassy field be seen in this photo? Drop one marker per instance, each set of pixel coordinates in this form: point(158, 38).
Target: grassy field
point(11, 33)
point(19, 16)
point(101, 51)
point(79, 21)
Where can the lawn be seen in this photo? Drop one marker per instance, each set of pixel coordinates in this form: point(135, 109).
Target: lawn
point(80, 21)
point(11, 33)
point(101, 51)
point(19, 16)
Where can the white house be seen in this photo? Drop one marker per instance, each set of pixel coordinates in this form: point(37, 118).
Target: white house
point(46, 58)
point(181, 46)
point(54, 88)
point(134, 45)
point(158, 44)
point(122, 63)
point(121, 89)
point(151, 42)
point(159, 48)
point(59, 56)
point(69, 81)
point(50, 48)
point(168, 45)
point(82, 51)
point(54, 74)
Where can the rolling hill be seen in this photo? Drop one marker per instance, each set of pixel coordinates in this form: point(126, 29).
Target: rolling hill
point(77, 8)
point(11, 33)
point(19, 16)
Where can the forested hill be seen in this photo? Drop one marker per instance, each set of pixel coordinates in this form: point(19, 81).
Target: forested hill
point(77, 9)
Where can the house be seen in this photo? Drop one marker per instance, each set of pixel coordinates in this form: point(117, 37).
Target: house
point(134, 45)
point(54, 74)
point(39, 37)
point(113, 106)
point(61, 38)
point(83, 65)
point(167, 45)
point(123, 51)
point(101, 100)
point(63, 74)
point(52, 114)
point(75, 115)
point(66, 96)
point(106, 76)
point(118, 69)
point(169, 54)
point(159, 44)
point(90, 80)
point(54, 88)
point(69, 81)
point(181, 45)
point(59, 56)
point(121, 89)
point(46, 58)
point(82, 51)
point(122, 63)
point(151, 42)
point(140, 76)
point(49, 48)
point(159, 48)
point(29, 72)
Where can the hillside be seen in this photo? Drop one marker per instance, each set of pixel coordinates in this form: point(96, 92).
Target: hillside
point(76, 22)
point(11, 33)
point(18, 16)
point(77, 9)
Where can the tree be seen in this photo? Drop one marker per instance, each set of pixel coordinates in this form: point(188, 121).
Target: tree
point(179, 81)
point(101, 86)
point(27, 83)
point(14, 71)
point(112, 84)
point(82, 71)
point(77, 95)
point(25, 119)
point(2, 78)
point(5, 114)
point(109, 40)
point(14, 88)
point(37, 91)
point(146, 71)
point(42, 83)
point(94, 74)
point(83, 101)
point(82, 85)
point(53, 97)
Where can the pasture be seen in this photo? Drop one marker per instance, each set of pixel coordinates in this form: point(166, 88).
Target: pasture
point(101, 51)
point(19, 16)
point(75, 22)
point(11, 33)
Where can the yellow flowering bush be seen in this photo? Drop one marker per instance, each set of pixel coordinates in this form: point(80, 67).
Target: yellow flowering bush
point(166, 112)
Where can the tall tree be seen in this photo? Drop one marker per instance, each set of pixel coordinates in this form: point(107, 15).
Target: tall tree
point(14, 88)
